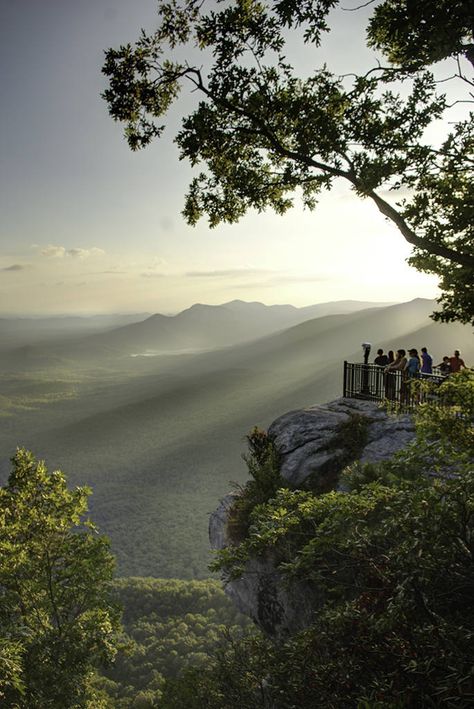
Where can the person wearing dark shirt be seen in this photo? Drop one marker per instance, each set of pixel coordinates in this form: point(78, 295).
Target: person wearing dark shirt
point(426, 362)
point(444, 367)
point(398, 365)
point(381, 360)
point(391, 357)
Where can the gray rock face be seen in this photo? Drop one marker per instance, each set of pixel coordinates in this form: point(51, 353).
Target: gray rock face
point(310, 444)
point(278, 609)
point(218, 523)
point(306, 438)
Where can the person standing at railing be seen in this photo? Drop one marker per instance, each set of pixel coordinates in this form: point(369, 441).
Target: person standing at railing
point(381, 360)
point(412, 370)
point(456, 363)
point(413, 365)
point(444, 367)
point(426, 362)
point(398, 365)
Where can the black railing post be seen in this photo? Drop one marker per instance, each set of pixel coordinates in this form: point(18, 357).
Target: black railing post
point(365, 390)
point(365, 380)
point(345, 379)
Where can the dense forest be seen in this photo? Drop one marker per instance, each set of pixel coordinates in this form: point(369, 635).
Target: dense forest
point(169, 626)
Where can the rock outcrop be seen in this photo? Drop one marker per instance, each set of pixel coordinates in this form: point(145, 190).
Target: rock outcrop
point(310, 441)
point(313, 447)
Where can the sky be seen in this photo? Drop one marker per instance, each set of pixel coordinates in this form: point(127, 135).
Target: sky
point(87, 226)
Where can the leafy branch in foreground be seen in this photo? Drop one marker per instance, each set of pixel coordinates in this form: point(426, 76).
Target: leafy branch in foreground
point(263, 133)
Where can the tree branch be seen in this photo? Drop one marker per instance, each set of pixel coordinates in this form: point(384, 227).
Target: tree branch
point(266, 132)
point(359, 7)
point(384, 207)
point(421, 243)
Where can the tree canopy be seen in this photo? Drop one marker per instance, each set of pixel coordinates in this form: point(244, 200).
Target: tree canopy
point(169, 626)
point(261, 133)
point(56, 616)
point(418, 34)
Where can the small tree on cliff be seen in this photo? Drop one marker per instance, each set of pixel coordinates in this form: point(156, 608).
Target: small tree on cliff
point(56, 617)
point(263, 132)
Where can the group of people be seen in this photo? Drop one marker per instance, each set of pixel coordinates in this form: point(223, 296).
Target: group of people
point(410, 367)
point(416, 363)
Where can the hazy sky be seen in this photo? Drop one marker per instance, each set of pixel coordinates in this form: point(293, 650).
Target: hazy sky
point(88, 226)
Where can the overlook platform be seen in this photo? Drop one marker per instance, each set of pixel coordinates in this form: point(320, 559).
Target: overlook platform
point(372, 383)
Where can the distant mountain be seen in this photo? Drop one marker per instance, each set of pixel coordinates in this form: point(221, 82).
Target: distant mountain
point(160, 438)
point(335, 338)
point(17, 332)
point(339, 307)
point(207, 327)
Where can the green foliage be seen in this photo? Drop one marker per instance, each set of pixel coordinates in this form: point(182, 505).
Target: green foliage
point(56, 616)
point(392, 562)
point(263, 462)
point(352, 434)
point(449, 427)
point(170, 627)
point(444, 442)
point(234, 677)
point(264, 468)
point(262, 133)
point(395, 565)
point(418, 34)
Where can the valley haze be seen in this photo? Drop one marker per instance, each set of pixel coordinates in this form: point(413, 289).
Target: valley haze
point(159, 438)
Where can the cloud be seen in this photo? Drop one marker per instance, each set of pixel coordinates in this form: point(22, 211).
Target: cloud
point(285, 280)
point(85, 253)
point(153, 274)
point(316, 278)
point(15, 267)
point(54, 251)
point(155, 263)
point(228, 273)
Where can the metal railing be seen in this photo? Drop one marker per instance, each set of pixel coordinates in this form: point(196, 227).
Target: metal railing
point(371, 382)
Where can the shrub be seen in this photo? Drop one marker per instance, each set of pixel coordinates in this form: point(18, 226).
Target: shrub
point(263, 463)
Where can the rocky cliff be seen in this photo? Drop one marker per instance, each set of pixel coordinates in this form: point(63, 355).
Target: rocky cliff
point(314, 444)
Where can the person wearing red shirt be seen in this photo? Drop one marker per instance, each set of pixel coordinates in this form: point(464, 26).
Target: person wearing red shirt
point(456, 362)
